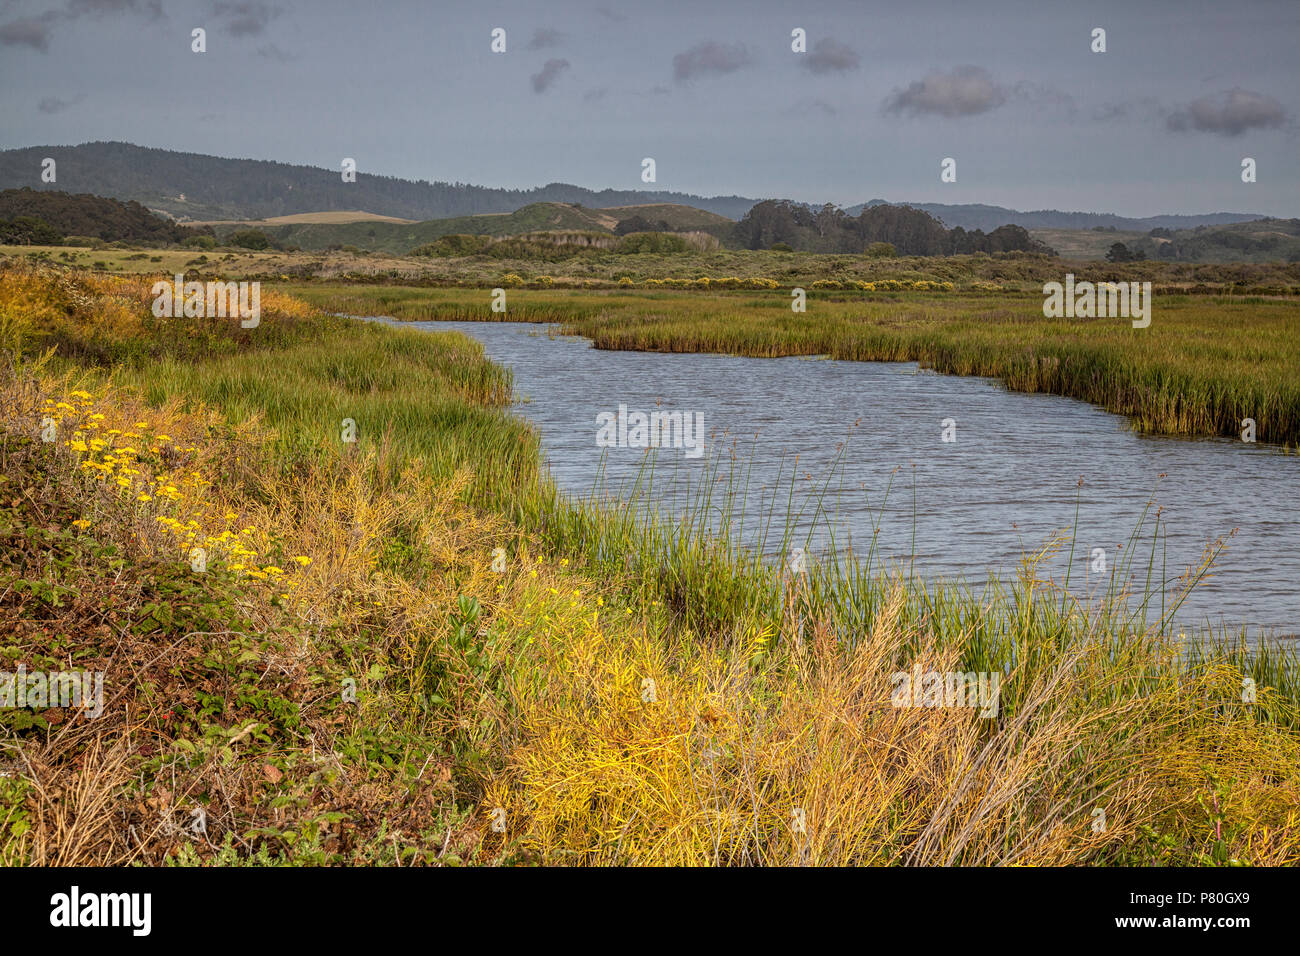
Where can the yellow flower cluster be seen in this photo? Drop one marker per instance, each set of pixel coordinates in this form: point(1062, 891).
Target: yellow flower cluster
point(886, 285)
point(111, 457)
point(726, 282)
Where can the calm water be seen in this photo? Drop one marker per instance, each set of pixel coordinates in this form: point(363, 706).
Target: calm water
point(1003, 486)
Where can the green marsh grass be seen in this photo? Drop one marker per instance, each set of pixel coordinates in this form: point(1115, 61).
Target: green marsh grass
point(1203, 366)
point(434, 396)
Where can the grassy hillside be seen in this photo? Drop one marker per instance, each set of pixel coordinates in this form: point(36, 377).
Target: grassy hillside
point(335, 216)
point(1264, 240)
point(679, 217)
point(401, 237)
point(1260, 241)
point(1088, 244)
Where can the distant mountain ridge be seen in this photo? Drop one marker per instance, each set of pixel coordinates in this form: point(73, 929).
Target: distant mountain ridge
point(978, 216)
point(202, 187)
point(197, 186)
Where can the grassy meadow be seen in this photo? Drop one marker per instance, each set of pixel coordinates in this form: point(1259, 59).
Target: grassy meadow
point(410, 649)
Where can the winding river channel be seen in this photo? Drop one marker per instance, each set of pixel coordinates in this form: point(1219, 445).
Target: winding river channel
point(1006, 478)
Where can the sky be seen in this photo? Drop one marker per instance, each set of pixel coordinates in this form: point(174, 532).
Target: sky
point(710, 89)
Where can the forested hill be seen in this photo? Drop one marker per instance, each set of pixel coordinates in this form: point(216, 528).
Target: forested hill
point(31, 215)
point(195, 186)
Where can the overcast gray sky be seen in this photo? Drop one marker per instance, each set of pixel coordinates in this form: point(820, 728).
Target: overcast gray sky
point(1010, 89)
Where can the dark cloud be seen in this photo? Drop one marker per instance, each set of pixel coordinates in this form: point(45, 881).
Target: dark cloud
point(550, 72)
point(966, 91)
point(36, 32)
point(710, 57)
point(1228, 114)
point(246, 18)
point(52, 104)
point(830, 56)
point(545, 38)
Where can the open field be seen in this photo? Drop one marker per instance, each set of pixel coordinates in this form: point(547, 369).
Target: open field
point(329, 217)
point(1084, 243)
point(1204, 364)
point(235, 263)
point(520, 694)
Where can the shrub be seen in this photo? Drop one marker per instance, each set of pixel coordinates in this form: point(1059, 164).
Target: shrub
point(656, 242)
point(249, 239)
point(29, 231)
point(456, 244)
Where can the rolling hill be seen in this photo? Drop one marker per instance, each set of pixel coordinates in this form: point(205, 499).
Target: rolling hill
point(192, 186)
point(333, 216)
point(1263, 240)
point(978, 216)
point(401, 237)
point(1260, 240)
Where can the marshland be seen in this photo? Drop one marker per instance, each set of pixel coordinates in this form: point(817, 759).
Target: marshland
point(399, 641)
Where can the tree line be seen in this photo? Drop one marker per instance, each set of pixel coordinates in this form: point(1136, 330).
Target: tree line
point(912, 232)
